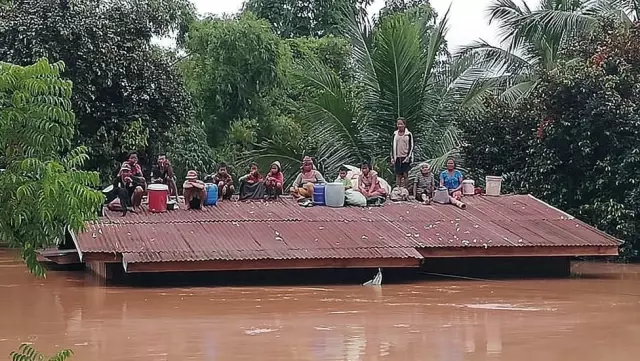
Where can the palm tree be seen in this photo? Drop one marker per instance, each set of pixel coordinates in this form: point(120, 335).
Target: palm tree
point(400, 70)
point(534, 39)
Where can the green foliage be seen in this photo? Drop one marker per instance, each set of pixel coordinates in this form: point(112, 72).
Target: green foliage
point(232, 71)
point(26, 352)
point(187, 149)
point(575, 143)
point(398, 74)
point(303, 18)
point(119, 78)
point(42, 190)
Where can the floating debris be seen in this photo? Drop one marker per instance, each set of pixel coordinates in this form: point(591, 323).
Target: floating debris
point(94, 235)
point(277, 233)
point(416, 235)
point(364, 237)
point(408, 234)
point(278, 238)
point(485, 246)
point(466, 232)
point(475, 226)
point(321, 228)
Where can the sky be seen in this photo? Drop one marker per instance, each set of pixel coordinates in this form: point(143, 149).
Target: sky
point(467, 20)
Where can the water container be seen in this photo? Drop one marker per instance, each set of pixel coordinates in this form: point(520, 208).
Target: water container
point(468, 187)
point(334, 194)
point(158, 194)
point(494, 185)
point(212, 194)
point(441, 195)
point(318, 194)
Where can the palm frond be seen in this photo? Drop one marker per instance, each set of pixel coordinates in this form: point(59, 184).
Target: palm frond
point(493, 58)
point(399, 65)
point(437, 38)
point(331, 116)
point(360, 36)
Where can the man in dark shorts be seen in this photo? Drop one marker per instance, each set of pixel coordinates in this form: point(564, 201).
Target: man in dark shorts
point(402, 153)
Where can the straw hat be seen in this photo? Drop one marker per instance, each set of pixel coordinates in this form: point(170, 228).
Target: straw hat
point(125, 166)
point(307, 160)
point(192, 174)
point(277, 164)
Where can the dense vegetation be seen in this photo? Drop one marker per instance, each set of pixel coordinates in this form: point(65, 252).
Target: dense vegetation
point(26, 352)
point(553, 109)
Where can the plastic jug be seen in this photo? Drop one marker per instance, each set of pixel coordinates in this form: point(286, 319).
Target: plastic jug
point(212, 194)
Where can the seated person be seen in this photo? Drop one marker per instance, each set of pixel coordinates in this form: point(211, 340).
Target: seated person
point(162, 173)
point(369, 185)
point(342, 178)
point(274, 181)
point(451, 178)
point(128, 190)
point(132, 161)
point(252, 184)
point(194, 191)
point(424, 184)
point(303, 185)
point(224, 181)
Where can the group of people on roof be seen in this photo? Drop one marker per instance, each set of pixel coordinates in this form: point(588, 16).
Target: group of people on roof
point(130, 185)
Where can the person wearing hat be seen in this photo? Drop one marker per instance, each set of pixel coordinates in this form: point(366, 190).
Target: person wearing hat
point(305, 181)
point(194, 191)
point(129, 190)
point(274, 181)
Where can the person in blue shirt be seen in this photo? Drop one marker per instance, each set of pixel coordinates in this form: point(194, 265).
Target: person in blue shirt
point(451, 178)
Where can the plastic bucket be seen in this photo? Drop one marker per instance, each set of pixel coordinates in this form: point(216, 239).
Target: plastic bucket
point(494, 185)
point(334, 194)
point(468, 187)
point(158, 194)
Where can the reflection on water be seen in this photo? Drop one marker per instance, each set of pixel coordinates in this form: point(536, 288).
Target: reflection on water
point(589, 318)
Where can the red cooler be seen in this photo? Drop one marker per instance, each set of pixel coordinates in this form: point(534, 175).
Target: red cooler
point(158, 194)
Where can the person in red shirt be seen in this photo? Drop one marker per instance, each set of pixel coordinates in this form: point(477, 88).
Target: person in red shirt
point(251, 184)
point(274, 181)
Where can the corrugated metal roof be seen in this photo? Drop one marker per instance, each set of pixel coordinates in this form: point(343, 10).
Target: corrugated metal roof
point(284, 230)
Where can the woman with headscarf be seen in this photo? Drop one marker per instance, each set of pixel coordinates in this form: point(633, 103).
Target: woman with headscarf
point(401, 152)
point(424, 184)
point(303, 185)
point(274, 181)
point(252, 184)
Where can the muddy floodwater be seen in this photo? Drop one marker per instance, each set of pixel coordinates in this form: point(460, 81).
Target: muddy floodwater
point(595, 316)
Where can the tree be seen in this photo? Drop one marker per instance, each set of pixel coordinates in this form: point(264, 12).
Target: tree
point(398, 73)
point(575, 141)
point(537, 39)
point(121, 82)
point(42, 188)
point(300, 18)
point(26, 352)
point(233, 68)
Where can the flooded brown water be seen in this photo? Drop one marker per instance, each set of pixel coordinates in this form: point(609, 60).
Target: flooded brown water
point(589, 318)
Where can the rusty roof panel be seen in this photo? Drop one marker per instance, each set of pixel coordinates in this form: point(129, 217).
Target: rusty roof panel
point(283, 230)
point(327, 253)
